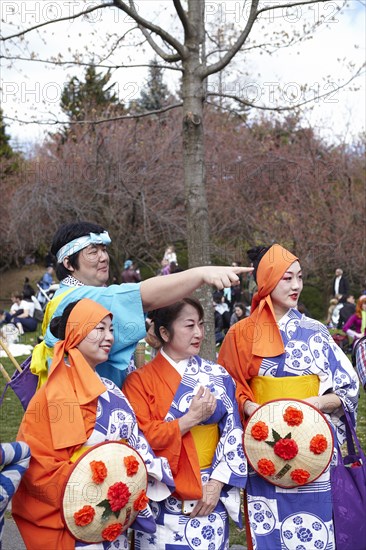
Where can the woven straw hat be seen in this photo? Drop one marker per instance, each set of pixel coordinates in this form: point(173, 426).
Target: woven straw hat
point(288, 442)
point(104, 493)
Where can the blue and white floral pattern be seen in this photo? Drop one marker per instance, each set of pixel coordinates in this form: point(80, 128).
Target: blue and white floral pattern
point(174, 529)
point(301, 518)
point(116, 420)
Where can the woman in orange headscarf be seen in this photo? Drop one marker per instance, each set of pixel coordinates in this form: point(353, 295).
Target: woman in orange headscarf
point(73, 411)
point(279, 353)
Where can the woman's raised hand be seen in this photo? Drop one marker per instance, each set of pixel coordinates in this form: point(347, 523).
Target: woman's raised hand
point(203, 405)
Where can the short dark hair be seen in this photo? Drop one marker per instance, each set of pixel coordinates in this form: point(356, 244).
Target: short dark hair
point(67, 233)
point(165, 316)
point(255, 255)
point(58, 324)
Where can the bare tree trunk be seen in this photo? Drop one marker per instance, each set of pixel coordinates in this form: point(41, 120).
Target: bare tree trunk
point(198, 232)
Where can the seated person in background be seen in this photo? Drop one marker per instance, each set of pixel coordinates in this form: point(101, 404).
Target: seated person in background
point(24, 318)
point(332, 304)
point(337, 309)
point(28, 290)
point(219, 327)
point(16, 298)
point(90, 410)
point(222, 307)
point(355, 327)
point(238, 314)
point(186, 408)
point(348, 309)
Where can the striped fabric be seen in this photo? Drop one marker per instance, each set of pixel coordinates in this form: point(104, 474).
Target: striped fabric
point(14, 460)
point(360, 356)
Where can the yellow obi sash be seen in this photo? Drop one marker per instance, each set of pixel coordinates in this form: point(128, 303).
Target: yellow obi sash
point(206, 438)
point(267, 388)
point(79, 452)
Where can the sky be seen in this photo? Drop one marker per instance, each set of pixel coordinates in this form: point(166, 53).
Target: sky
point(32, 90)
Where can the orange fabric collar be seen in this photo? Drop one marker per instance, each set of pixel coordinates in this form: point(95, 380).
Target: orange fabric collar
point(267, 341)
point(69, 387)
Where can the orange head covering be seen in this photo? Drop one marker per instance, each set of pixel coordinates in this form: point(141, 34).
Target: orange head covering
point(69, 387)
point(267, 341)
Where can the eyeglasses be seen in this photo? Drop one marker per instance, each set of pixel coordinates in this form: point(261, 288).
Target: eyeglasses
point(94, 252)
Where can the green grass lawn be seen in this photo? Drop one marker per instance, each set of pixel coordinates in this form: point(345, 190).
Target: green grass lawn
point(11, 413)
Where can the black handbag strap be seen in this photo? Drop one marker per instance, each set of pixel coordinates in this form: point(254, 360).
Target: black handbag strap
point(352, 438)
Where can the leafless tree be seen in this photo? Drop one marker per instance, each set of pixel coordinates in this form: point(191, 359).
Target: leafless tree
point(192, 47)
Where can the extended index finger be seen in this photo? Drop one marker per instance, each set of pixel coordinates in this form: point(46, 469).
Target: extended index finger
point(240, 270)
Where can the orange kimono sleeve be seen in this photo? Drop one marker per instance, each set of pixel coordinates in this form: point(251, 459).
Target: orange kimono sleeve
point(164, 437)
point(235, 358)
point(150, 391)
point(37, 503)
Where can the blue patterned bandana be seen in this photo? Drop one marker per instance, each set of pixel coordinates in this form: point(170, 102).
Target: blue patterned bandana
point(82, 242)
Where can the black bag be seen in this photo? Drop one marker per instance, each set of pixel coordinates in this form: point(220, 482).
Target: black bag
point(38, 315)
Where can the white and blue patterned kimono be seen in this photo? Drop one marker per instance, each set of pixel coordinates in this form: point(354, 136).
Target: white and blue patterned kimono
point(301, 518)
point(14, 461)
point(176, 531)
point(116, 420)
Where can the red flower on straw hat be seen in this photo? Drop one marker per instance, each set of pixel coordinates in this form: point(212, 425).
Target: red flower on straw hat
point(141, 502)
point(266, 467)
point(99, 471)
point(288, 445)
point(118, 495)
point(111, 532)
point(300, 476)
point(84, 516)
point(293, 416)
point(286, 448)
point(131, 465)
point(259, 431)
point(318, 444)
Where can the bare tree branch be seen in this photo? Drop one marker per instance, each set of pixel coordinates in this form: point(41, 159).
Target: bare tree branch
point(294, 4)
point(228, 109)
point(120, 39)
point(145, 24)
point(169, 58)
point(253, 15)
point(219, 65)
point(67, 18)
point(291, 107)
point(98, 121)
point(85, 64)
point(183, 17)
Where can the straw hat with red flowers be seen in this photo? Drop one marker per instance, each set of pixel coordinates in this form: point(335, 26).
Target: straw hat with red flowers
point(105, 492)
point(288, 442)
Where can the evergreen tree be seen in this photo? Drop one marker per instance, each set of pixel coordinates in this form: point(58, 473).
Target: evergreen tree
point(156, 94)
point(83, 99)
point(6, 150)
point(9, 159)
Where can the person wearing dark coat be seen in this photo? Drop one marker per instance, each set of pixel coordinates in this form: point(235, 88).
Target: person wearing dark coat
point(348, 309)
point(340, 284)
